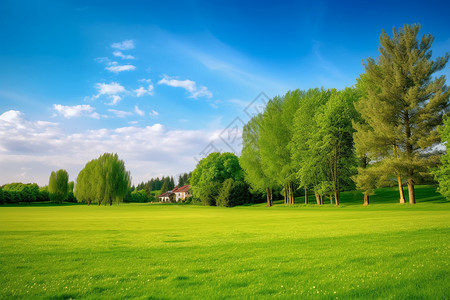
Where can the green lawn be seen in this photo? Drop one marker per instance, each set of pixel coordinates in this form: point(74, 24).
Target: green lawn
point(153, 251)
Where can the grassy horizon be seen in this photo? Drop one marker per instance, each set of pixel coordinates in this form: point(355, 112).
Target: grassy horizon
point(152, 251)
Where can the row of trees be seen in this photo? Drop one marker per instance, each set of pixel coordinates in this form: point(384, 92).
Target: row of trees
point(20, 192)
point(15, 193)
point(302, 139)
point(156, 184)
point(103, 180)
point(384, 129)
point(162, 184)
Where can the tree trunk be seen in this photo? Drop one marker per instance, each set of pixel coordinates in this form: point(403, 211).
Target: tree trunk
point(99, 203)
point(366, 198)
point(400, 189)
point(409, 154)
point(412, 198)
point(271, 197)
point(269, 204)
point(321, 199)
point(399, 179)
point(291, 188)
point(335, 174)
point(331, 199)
point(306, 195)
point(317, 198)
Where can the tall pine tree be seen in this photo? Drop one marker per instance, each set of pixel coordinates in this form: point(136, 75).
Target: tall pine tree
point(404, 104)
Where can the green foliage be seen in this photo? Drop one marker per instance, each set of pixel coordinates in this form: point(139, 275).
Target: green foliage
point(250, 159)
point(211, 172)
point(103, 180)
point(333, 139)
point(184, 179)
point(309, 163)
point(19, 192)
point(302, 135)
point(139, 196)
point(209, 192)
point(58, 186)
point(442, 173)
point(224, 197)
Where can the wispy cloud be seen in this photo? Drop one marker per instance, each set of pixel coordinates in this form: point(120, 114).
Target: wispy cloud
point(241, 103)
point(123, 56)
point(125, 45)
point(188, 85)
point(153, 113)
point(215, 104)
point(76, 111)
point(116, 68)
point(138, 111)
point(120, 113)
point(114, 100)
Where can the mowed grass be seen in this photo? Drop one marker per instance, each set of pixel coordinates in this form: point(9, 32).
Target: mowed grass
point(152, 251)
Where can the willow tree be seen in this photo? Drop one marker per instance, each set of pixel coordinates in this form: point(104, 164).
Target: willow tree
point(58, 186)
point(404, 104)
point(103, 180)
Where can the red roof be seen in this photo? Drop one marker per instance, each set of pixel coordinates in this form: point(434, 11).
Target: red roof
point(182, 189)
point(166, 194)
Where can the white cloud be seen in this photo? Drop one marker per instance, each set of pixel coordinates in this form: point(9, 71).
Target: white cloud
point(123, 56)
point(125, 45)
point(188, 85)
point(138, 111)
point(115, 68)
point(153, 113)
point(145, 80)
point(112, 88)
point(40, 147)
point(141, 91)
point(76, 111)
point(120, 113)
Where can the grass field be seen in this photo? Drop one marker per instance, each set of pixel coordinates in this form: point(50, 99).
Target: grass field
point(152, 251)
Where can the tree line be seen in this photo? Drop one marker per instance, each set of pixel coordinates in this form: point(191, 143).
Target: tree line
point(162, 184)
point(384, 129)
point(102, 181)
point(17, 192)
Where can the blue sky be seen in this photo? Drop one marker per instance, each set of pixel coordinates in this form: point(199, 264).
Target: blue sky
point(157, 82)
